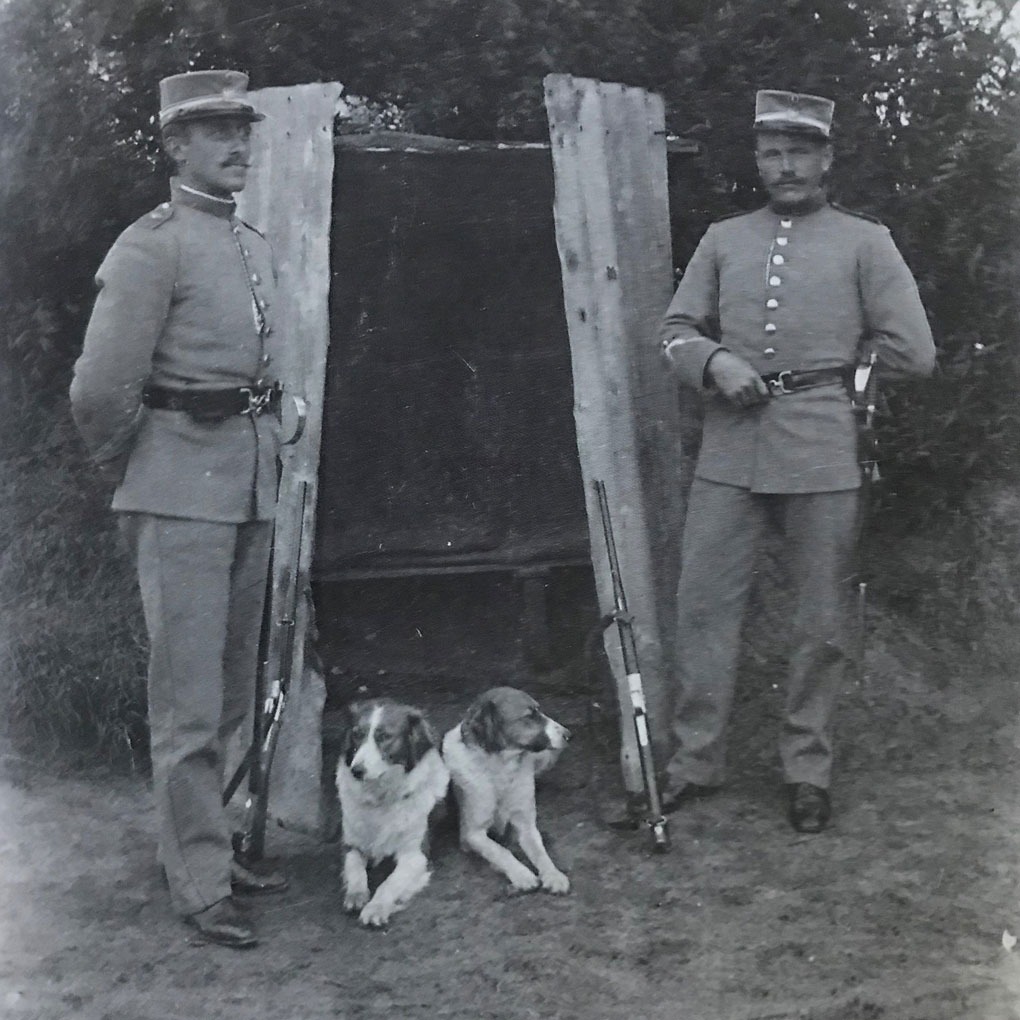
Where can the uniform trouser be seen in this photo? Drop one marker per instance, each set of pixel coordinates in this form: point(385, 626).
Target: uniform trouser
point(723, 532)
point(203, 586)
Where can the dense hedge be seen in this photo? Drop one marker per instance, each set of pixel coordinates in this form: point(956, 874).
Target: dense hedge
point(927, 121)
point(927, 126)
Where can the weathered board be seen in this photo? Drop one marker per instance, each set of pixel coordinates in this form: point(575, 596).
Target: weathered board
point(289, 198)
point(612, 228)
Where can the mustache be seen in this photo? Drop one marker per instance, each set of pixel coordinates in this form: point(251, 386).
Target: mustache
point(237, 162)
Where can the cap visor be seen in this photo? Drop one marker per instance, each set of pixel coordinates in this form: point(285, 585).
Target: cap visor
point(205, 112)
point(784, 127)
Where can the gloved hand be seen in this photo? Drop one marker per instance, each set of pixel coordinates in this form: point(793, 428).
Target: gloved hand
point(735, 379)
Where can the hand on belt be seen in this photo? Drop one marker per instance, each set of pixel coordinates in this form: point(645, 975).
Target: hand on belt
point(780, 383)
point(214, 405)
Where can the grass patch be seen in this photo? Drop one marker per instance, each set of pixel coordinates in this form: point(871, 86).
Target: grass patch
point(72, 638)
point(73, 648)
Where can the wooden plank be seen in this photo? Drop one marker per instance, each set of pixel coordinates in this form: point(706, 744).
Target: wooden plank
point(289, 198)
point(612, 229)
point(636, 161)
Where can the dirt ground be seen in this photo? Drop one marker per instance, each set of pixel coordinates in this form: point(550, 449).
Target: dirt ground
point(896, 912)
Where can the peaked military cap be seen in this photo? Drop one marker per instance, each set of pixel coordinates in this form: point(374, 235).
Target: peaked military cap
point(793, 112)
point(198, 94)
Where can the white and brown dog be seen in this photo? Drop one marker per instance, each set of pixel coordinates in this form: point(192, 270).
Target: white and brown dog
point(493, 755)
point(389, 778)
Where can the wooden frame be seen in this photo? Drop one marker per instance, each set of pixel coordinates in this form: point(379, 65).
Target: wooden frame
point(289, 198)
point(612, 231)
point(612, 227)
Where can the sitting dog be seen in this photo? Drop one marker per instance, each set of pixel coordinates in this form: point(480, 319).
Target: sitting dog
point(493, 755)
point(389, 778)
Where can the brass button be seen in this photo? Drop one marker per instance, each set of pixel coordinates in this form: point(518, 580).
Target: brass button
point(769, 352)
point(786, 224)
point(782, 241)
point(770, 327)
point(772, 303)
point(774, 281)
point(267, 359)
point(256, 279)
point(777, 260)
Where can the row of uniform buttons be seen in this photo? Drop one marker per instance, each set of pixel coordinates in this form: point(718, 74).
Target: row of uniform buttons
point(778, 259)
point(255, 278)
point(262, 302)
point(162, 211)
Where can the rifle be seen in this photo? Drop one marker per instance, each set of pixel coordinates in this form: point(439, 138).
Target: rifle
point(865, 400)
point(656, 820)
point(281, 618)
point(251, 752)
point(266, 627)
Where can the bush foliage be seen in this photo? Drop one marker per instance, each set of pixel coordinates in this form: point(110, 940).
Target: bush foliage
point(927, 127)
point(927, 122)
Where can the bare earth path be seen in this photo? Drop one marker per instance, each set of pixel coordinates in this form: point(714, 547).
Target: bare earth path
point(896, 913)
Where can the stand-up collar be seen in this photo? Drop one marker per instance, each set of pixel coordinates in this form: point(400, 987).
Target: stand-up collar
point(184, 194)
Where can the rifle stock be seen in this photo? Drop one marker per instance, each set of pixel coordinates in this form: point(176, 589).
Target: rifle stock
point(265, 629)
point(249, 843)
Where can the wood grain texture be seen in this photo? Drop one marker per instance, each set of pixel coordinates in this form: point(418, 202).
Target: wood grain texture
point(289, 198)
point(612, 229)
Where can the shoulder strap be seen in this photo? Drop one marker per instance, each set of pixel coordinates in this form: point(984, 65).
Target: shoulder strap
point(854, 212)
point(155, 219)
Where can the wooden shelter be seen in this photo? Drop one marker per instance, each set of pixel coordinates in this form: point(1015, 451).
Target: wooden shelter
point(472, 325)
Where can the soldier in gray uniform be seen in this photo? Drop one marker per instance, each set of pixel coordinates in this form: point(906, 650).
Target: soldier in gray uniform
point(772, 312)
point(175, 396)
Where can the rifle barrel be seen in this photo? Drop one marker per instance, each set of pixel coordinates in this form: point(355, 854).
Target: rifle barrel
point(635, 687)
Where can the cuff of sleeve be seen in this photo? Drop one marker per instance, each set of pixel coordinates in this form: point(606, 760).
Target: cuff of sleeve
point(689, 357)
point(121, 442)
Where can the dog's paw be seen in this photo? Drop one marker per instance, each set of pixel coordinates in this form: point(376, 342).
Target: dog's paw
point(355, 899)
point(375, 914)
point(556, 882)
point(524, 881)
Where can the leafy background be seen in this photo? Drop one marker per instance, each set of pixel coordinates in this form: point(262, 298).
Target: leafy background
point(927, 126)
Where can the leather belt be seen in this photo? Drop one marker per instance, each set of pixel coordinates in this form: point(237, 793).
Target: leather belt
point(780, 383)
point(214, 405)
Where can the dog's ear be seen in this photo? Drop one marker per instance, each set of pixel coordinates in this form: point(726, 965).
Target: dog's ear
point(481, 726)
point(419, 740)
point(347, 722)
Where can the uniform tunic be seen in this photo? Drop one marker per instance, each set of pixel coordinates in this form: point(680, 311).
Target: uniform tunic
point(793, 293)
point(175, 308)
point(785, 293)
point(186, 301)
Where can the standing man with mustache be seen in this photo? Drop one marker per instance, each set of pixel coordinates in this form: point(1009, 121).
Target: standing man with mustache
point(773, 312)
point(176, 398)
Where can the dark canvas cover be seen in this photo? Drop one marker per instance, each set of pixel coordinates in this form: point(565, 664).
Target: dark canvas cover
point(448, 432)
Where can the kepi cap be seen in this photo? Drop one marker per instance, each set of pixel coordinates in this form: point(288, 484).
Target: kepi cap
point(793, 112)
point(196, 94)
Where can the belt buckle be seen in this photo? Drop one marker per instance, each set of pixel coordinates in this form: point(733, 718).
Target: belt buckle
point(258, 400)
point(780, 385)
